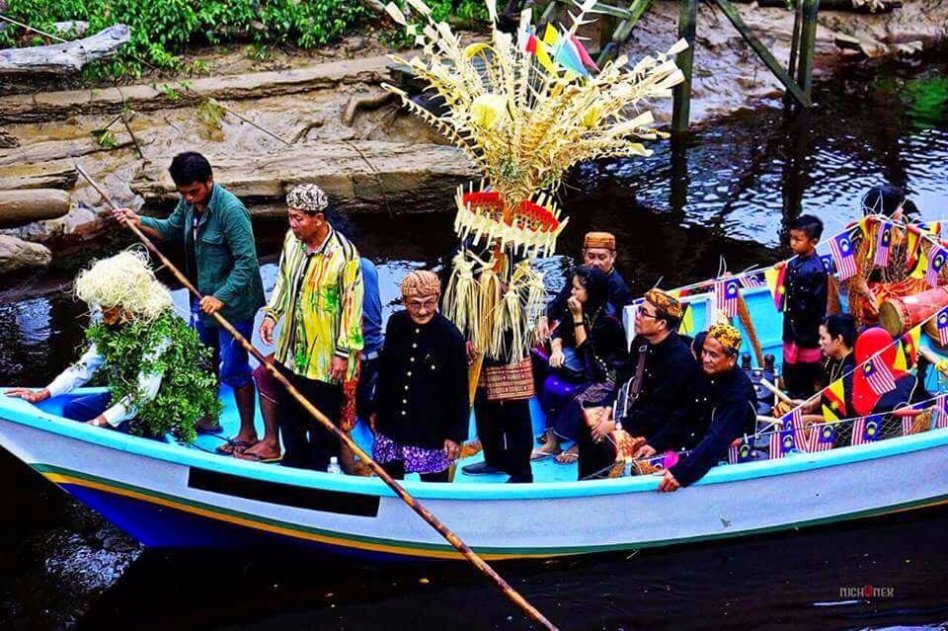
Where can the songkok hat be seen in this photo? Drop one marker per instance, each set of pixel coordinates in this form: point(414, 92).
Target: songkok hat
point(665, 303)
point(727, 335)
point(307, 197)
point(600, 240)
point(421, 283)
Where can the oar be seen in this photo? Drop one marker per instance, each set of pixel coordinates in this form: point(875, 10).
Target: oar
point(414, 504)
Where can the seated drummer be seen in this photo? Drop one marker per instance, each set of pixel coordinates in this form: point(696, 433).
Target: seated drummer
point(655, 404)
point(725, 409)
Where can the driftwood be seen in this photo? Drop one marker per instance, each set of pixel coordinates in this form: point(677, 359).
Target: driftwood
point(67, 56)
point(56, 174)
point(49, 106)
point(18, 208)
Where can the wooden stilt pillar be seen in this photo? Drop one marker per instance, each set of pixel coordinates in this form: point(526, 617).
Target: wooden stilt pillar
point(687, 27)
point(807, 46)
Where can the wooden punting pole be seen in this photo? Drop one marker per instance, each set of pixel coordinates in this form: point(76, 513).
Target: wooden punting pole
point(414, 504)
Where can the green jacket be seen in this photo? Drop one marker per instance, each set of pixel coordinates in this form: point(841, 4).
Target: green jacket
point(225, 253)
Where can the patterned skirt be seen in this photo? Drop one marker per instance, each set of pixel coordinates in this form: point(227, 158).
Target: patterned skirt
point(416, 459)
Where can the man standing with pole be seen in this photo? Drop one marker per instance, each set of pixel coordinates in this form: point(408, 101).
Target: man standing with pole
point(221, 261)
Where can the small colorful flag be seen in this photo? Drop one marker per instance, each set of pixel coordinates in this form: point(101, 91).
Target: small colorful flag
point(750, 280)
point(824, 437)
point(834, 401)
point(867, 429)
point(844, 255)
point(941, 323)
point(775, 277)
point(936, 260)
point(781, 442)
point(907, 349)
point(878, 375)
point(908, 426)
point(931, 227)
point(583, 55)
point(567, 56)
point(739, 451)
point(828, 265)
point(940, 412)
point(883, 244)
point(913, 238)
point(800, 438)
point(726, 292)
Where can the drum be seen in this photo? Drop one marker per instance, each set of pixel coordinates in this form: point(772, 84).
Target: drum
point(898, 315)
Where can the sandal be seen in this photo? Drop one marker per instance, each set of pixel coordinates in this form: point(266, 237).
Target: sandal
point(538, 455)
point(233, 447)
point(567, 457)
point(255, 458)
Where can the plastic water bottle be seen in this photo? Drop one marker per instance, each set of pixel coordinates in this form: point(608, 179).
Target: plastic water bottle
point(334, 466)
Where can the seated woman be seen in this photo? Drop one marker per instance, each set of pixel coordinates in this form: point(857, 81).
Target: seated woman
point(589, 355)
point(422, 391)
point(837, 338)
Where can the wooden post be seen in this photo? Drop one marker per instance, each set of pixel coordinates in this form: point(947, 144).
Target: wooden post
point(794, 46)
point(687, 27)
point(807, 45)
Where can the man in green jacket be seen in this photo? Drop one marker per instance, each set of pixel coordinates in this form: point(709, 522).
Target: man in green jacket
point(221, 261)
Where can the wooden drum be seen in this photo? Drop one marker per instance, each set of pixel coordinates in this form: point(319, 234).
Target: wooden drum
point(898, 315)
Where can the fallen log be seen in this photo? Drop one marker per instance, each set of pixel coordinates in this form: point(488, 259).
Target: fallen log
point(58, 174)
point(21, 207)
point(65, 56)
point(49, 106)
point(17, 254)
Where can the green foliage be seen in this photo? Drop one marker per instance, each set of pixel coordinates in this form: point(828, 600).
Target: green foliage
point(105, 138)
point(188, 390)
point(163, 29)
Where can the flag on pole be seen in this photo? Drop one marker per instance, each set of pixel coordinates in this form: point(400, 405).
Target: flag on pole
point(823, 438)
point(878, 375)
point(800, 438)
point(739, 451)
point(867, 429)
point(883, 244)
point(775, 277)
point(940, 413)
point(844, 254)
point(941, 323)
point(828, 265)
point(781, 442)
point(936, 260)
point(726, 292)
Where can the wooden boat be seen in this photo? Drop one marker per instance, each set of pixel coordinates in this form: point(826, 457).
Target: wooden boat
point(170, 495)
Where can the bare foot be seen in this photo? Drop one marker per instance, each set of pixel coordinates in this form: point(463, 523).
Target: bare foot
point(260, 452)
point(569, 456)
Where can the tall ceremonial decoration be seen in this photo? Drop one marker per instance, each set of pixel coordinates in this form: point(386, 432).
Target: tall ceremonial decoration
point(523, 111)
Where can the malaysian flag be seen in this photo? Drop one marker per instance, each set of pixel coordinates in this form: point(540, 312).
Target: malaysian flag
point(867, 429)
point(883, 244)
point(844, 254)
point(939, 413)
point(908, 425)
point(878, 375)
point(726, 292)
point(751, 280)
point(936, 261)
point(800, 438)
point(739, 451)
point(828, 265)
point(941, 323)
point(781, 443)
point(824, 437)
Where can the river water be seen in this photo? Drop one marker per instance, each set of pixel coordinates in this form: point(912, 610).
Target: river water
point(727, 191)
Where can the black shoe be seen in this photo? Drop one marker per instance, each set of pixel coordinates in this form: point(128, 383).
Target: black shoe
point(520, 479)
point(479, 468)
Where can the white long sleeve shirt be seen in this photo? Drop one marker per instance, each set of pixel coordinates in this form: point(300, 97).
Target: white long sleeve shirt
point(83, 370)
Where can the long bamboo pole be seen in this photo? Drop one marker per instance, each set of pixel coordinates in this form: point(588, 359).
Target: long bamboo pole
point(414, 504)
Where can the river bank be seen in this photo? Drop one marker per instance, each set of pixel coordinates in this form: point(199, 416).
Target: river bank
point(329, 122)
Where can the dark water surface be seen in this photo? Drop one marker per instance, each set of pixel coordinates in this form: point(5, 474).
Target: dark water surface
point(726, 191)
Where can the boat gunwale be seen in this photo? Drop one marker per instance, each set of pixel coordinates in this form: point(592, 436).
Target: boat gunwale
point(22, 413)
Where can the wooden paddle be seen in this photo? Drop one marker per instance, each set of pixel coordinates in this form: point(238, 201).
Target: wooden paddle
point(414, 504)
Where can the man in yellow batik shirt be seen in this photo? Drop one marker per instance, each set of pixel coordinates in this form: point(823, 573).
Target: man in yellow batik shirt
point(318, 296)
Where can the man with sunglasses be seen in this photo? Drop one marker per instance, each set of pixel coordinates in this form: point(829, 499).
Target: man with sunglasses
point(653, 406)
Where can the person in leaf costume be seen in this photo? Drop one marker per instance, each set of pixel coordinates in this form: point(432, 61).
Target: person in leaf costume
point(154, 365)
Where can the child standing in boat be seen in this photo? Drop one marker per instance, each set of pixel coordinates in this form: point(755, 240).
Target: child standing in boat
point(806, 286)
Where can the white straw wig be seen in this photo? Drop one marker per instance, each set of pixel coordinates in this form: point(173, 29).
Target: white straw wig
point(125, 280)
